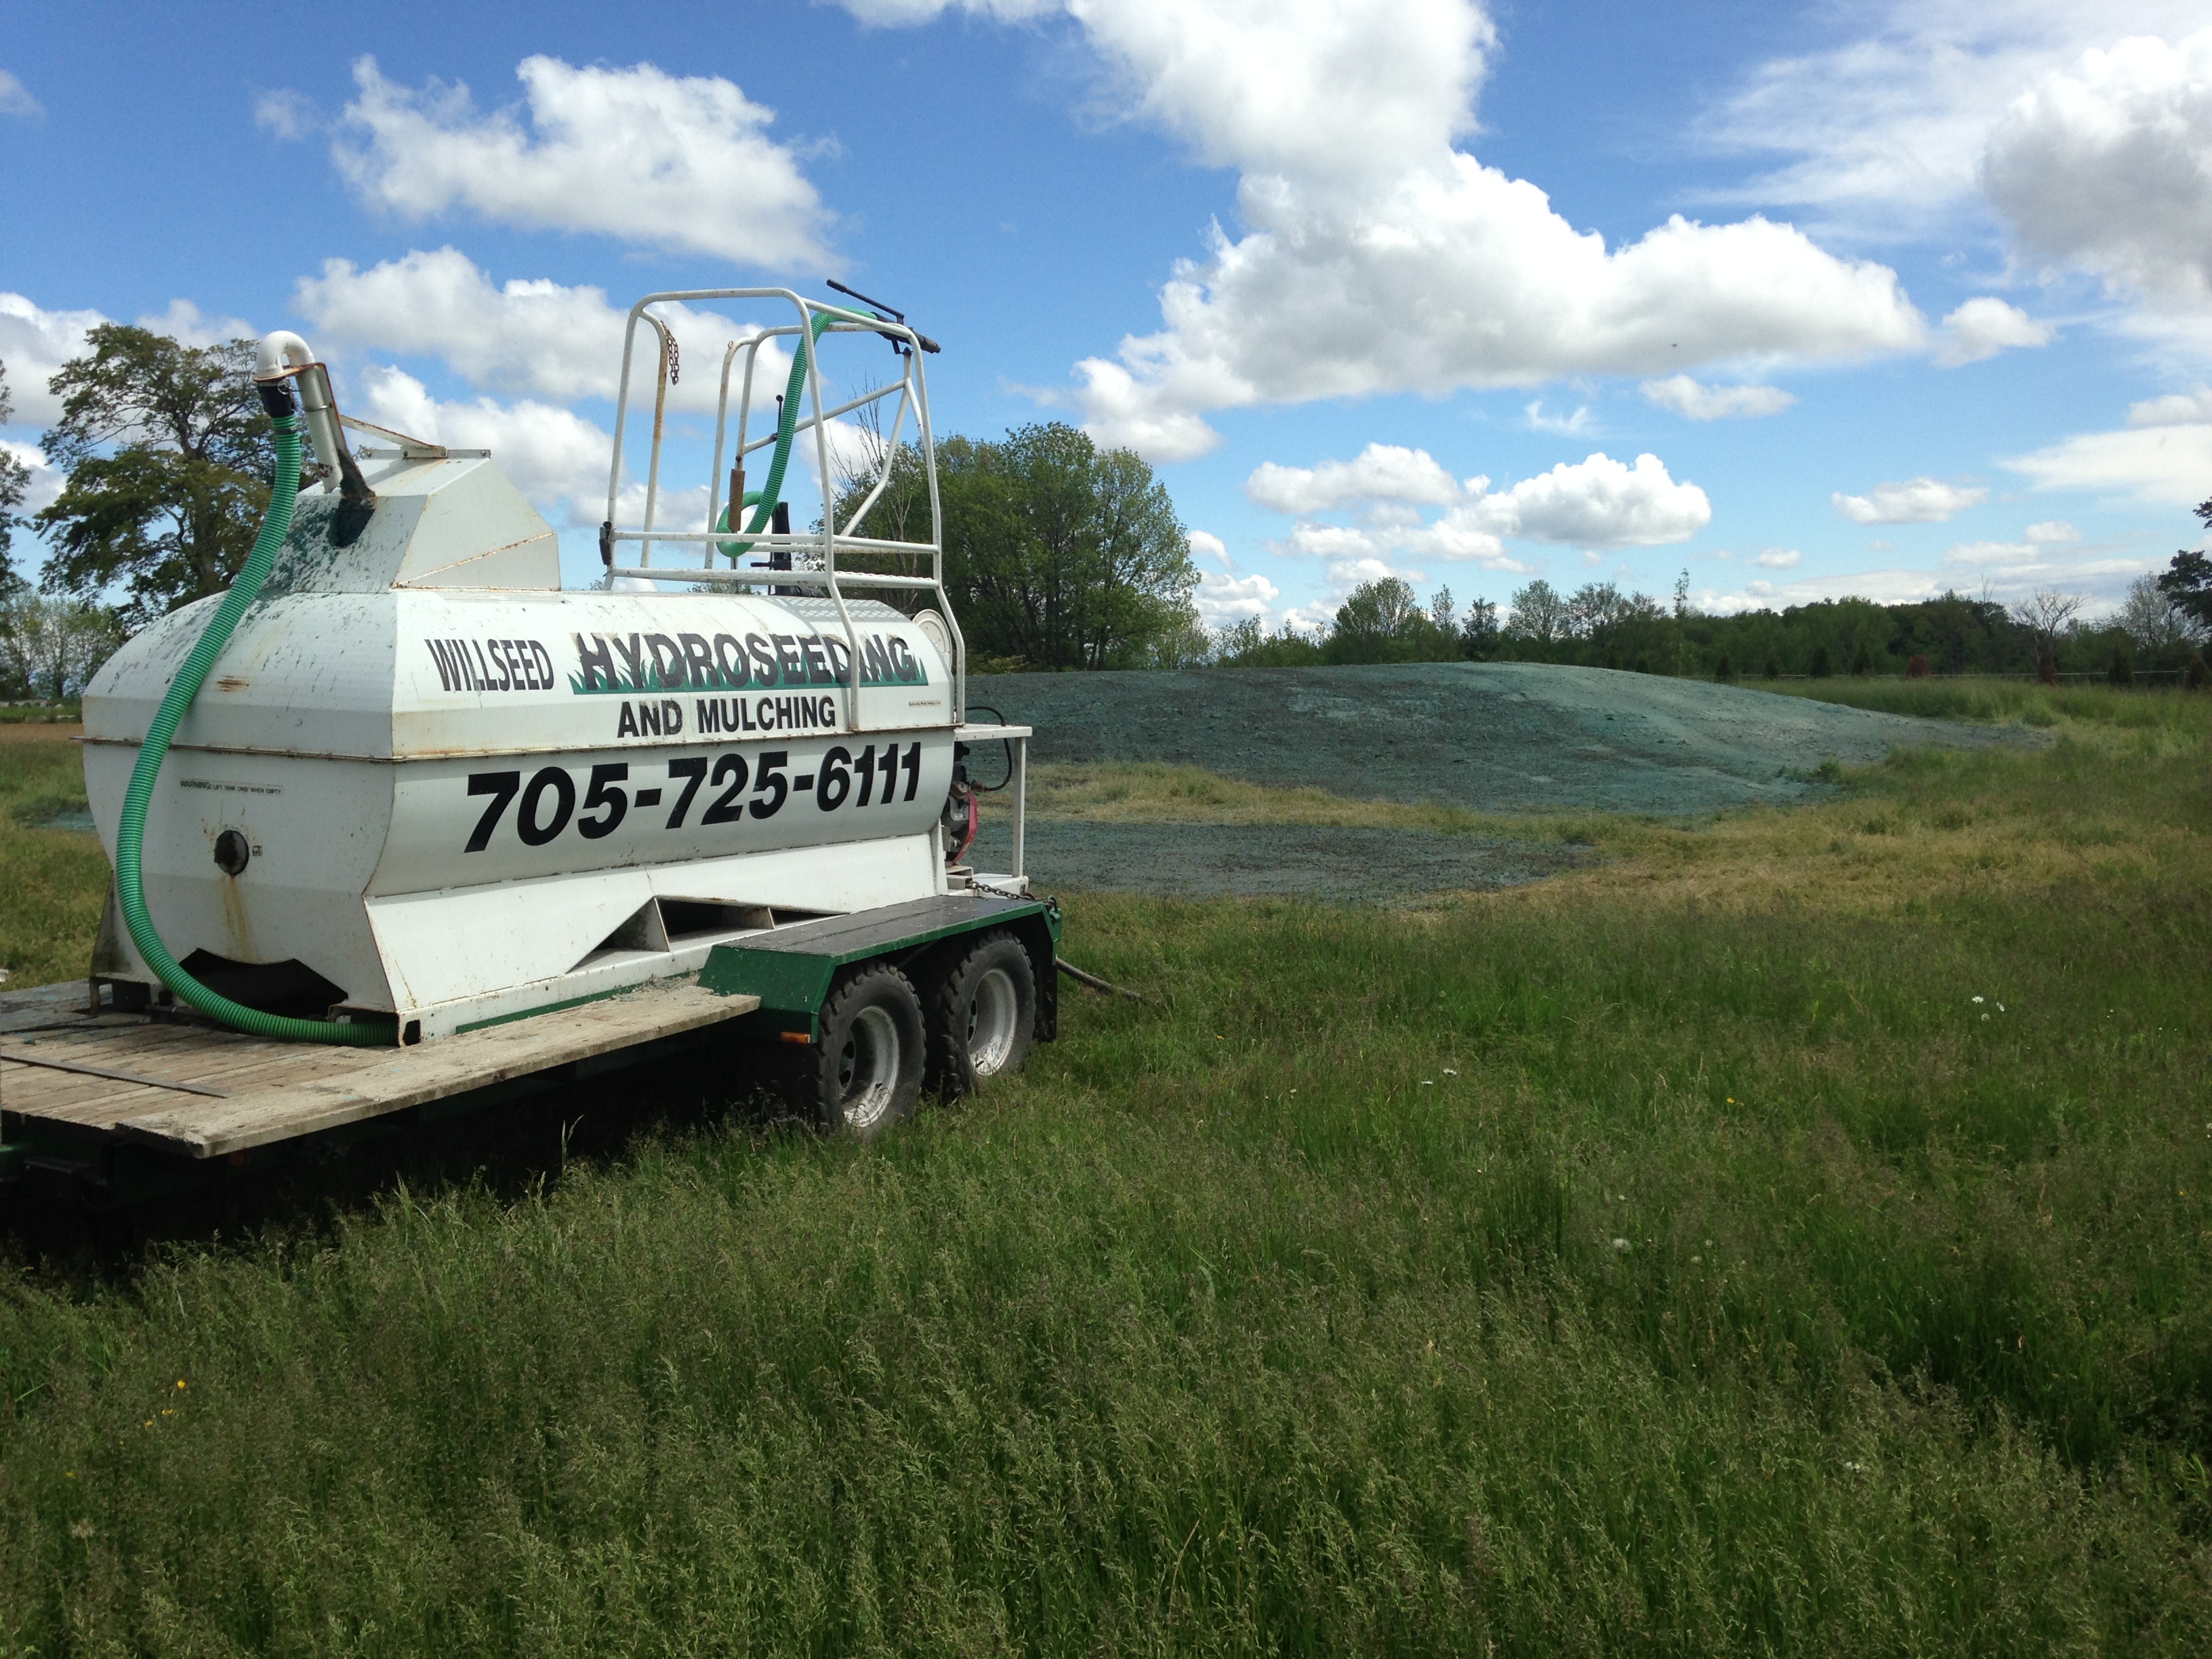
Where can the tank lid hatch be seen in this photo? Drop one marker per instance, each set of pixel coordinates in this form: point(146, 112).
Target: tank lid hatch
point(453, 523)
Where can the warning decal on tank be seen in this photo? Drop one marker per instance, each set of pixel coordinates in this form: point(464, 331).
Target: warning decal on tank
point(617, 664)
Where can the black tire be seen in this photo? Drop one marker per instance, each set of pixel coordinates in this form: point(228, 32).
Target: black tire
point(983, 1016)
point(866, 1074)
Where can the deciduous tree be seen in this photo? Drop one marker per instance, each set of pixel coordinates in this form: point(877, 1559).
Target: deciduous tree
point(169, 460)
point(2048, 616)
point(1382, 622)
point(1061, 553)
point(1540, 614)
point(51, 647)
point(15, 479)
point(2153, 620)
point(2188, 579)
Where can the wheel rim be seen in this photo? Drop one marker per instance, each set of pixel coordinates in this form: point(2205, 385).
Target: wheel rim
point(868, 1068)
point(993, 1014)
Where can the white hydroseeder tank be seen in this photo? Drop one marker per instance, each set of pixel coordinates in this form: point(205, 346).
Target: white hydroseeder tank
point(425, 783)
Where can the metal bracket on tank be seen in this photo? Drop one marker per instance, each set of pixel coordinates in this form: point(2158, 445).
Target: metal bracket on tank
point(411, 449)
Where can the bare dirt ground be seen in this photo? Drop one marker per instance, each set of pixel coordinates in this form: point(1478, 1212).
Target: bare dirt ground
point(38, 732)
point(1502, 737)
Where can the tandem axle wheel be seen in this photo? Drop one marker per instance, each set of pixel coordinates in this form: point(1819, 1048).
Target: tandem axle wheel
point(883, 1043)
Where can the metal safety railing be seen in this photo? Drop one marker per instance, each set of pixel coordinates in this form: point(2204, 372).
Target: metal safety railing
point(785, 548)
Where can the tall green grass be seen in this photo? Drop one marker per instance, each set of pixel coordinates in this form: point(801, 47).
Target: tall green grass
point(52, 881)
point(1574, 1271)
point(2010, 702)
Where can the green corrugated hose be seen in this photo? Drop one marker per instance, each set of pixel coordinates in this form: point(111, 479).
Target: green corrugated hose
point(131, 832)
point(772, 491)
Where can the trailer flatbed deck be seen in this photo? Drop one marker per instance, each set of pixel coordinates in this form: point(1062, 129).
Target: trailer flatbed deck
point(188, 1086)
point(114, 1104)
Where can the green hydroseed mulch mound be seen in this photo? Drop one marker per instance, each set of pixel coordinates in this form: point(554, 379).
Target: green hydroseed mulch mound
point(1489, 736)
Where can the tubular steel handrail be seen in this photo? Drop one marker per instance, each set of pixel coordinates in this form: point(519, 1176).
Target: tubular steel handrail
point(911, 389)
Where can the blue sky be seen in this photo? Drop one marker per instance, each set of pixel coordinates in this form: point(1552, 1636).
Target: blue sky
point(1888, 298)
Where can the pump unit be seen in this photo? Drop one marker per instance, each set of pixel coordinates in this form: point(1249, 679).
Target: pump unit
point(423, 786)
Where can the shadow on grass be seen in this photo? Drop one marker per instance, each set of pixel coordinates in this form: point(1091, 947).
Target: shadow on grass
point(301, 1191)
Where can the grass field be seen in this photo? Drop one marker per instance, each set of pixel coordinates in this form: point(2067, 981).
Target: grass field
point(1791, 1234)
point(53, 883)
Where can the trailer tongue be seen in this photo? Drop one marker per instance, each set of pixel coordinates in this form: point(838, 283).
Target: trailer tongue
point(399, 820)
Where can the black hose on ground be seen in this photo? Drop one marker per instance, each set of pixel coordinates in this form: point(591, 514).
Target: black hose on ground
point(1095, 983)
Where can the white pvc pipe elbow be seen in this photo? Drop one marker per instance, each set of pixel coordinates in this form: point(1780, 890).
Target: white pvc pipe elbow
point(283, 353)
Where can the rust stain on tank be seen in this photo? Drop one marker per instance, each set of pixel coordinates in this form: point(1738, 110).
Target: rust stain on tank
point(231, 682)
point(238, 930)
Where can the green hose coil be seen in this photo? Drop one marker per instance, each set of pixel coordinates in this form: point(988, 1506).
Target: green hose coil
point(771, 492)
point(131, 832)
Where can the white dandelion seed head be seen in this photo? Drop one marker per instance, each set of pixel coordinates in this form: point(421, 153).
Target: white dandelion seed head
point(1620, 1244)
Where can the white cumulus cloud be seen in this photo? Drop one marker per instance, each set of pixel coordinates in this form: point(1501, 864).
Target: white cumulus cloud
point(662, 161)
point(1599, 503)
point(1376, 257)
point(1696, 402)
point(552, 455)
point(1567, 425)
point(2107, 167)
point(1888, 130)
point(15, 98)
point(2175, 409)
point(186, 323)
point(1224, 599)
point(290, 115)
point(1916, 500)
point(1983, 327)
point(1777, 558)
point(2157, 463)
point(34, 344)
point(2051, 531)
point(1381, 472)
point(540, 338)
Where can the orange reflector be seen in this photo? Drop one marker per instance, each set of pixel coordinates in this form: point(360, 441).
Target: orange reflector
point(797, 1037)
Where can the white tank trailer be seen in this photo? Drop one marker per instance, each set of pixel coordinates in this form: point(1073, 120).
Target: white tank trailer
point(424, 785)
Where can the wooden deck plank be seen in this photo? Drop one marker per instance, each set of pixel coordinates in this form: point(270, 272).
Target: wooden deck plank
point(142, 1036)
point(396, 1080)
point(90, 1103)
point(41, 1093)
point(77, 1068)
point(157, 1053)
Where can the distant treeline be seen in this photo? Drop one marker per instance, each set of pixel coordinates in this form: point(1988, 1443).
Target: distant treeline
point(1599, 626)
